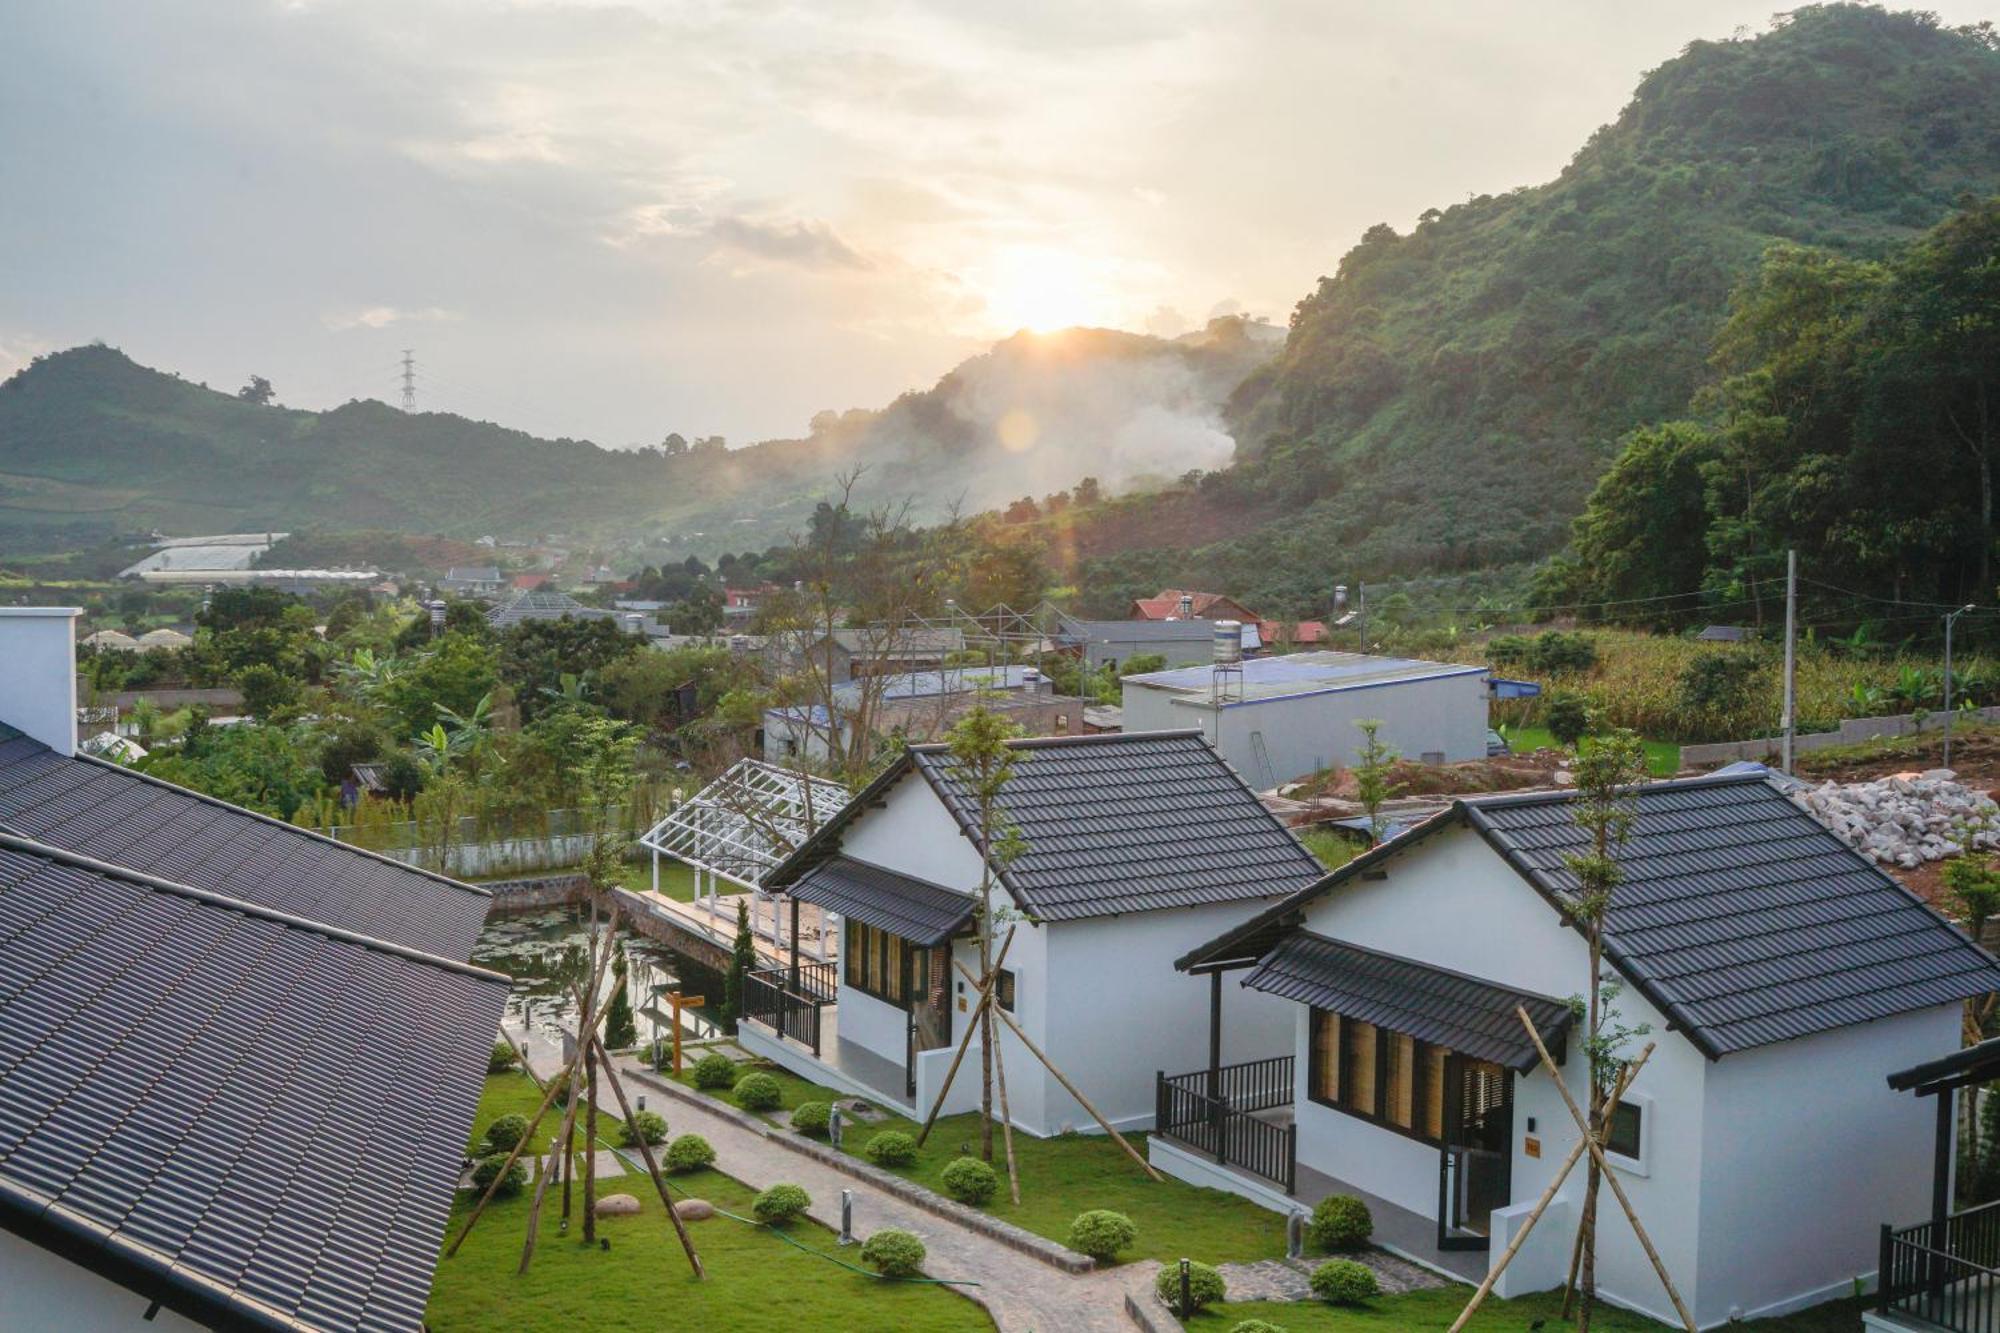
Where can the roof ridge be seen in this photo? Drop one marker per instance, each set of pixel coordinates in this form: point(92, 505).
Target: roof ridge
point(261, 817)
point(12, 841)
point(1564, 795)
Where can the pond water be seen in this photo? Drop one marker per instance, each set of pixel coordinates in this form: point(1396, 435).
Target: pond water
point(543, 951)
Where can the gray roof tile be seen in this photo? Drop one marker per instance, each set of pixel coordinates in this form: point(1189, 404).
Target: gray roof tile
point(922, 913)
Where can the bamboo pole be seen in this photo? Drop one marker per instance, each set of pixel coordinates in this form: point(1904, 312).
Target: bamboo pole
point(1006, 1121)
point(646, 1152)
point(548, 1096)
point(1618, 1190)
point(964, 1042)
point(1541, 1205)
point(1068, 1086)
point(542, 1189)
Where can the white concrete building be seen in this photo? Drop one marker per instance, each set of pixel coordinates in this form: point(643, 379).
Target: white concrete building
point(1282, 718)
point(1135, 849)
point(1781, 978)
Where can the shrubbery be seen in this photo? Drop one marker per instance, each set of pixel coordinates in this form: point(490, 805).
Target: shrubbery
point(689, 1152)
point(1101, 1233)
point(811, 1117)
point(1205, 1287)
point(1257, 1326)
point(758, 1092)
point(1344, 1282)
point(714, 1070)
point(504, 1058)
point(1567, 716)
point(504, 1133)
point(781, 1204)
point(891, 1148)
point(645, 1126)
point(969, 1180)
point(894, 1253)
point(1340, 1222)
point(487, 1168)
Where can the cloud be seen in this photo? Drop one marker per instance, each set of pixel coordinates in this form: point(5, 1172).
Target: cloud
point(382, 316)
point(805, 244)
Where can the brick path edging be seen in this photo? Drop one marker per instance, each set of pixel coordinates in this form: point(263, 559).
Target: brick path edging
point(1153, 1320)
point(1027, 1242)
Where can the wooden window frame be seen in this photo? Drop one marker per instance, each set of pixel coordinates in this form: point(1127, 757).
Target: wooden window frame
point(865, 963)
point(1420, 1065)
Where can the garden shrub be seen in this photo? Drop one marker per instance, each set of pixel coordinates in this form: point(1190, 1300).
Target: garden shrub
point(1205, 1287)
point(811, 1117)
point(1101, 1233)
point(758, 1092)
point(689, 1152)
point(781, 1204)
point(646, 1126)
point(894, 1253)
point(969, 1180)
point(891, 1148)
point(714, 1070)
point(504, 1058)
point(1567, 716)
point(1257, 1326)
point(504, 1133)
point(1340, 1222)
point(1555, 651)
point(488, 1167)
point(1344, 1282)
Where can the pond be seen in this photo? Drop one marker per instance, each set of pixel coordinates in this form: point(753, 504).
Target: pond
point(540, 949)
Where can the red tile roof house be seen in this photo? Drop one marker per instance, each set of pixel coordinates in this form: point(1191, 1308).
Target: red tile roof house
point(1204, 606)
point(1292, 633)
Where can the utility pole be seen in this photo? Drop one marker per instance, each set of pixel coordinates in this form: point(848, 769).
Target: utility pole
point(409, 379)
point(1949, 621)
point(1790, 719)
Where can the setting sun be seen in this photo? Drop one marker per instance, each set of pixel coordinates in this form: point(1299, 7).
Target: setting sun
point(1042, 289)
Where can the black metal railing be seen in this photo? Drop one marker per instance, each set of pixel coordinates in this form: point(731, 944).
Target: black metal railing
point(1225, 1126)
point(1949, 1277)
point(792, 1011)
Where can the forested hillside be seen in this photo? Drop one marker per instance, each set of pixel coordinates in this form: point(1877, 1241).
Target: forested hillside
point(1447, 398)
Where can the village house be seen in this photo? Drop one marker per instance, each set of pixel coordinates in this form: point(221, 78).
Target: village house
point(848, 652)
point(473, 581)
point(1134, 849)
point(1113, 643)
point(1185, 604)
point(1781, 976)
point(918, 706)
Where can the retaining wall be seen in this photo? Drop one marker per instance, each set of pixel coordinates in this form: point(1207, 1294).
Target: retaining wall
point(1851, 731)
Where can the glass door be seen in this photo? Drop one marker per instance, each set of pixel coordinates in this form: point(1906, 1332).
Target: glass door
point(1476, 1159)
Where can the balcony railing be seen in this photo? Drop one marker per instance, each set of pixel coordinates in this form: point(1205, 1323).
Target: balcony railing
point(1949, 1278)
point(788, 1000)
point(1213, 1112)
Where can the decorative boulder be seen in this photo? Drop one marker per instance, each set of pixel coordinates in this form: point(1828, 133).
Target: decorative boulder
point(694, 1210)
point(617, 1205)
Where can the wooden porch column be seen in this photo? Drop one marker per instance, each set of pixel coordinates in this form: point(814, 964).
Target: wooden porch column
point(1215, 1034)
point(795, 940)
point(1941, 1169)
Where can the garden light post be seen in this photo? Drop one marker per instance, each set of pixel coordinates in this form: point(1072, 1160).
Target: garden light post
point(1949, 621)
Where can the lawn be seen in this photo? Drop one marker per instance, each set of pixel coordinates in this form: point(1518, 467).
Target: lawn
point(676, 878)
point(1437, 1308)
point(755, 1280)
point(1065, 1175)
point(1663, 758)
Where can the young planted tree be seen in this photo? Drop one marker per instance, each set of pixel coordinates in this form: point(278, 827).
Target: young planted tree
point(742, 962)
point(620, 1031)
point(1608, 770)
point(1371, 775)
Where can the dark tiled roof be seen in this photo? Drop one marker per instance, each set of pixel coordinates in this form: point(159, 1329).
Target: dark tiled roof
point(923, 913)
point(1132, 822)
point(1743, 918)
point(115, 814)
point(253, 1118)
point(1472, 1017)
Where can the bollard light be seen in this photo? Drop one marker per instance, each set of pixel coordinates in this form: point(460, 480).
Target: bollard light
point(833, 1125)
point(1295, 1235)
point(847, 1217)
point(642, 1101)
point(1187, 1291)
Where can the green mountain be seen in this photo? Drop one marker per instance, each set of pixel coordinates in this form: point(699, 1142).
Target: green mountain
point(1446, 400)
point(94, 445)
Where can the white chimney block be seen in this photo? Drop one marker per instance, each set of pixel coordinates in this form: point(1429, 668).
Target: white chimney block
point(38, 673)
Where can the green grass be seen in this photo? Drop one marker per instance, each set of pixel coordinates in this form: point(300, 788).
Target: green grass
point(755, 1279)
point(516, 1094)
point(1068, 1174)
point(1663, 758)
point(1438, 1307)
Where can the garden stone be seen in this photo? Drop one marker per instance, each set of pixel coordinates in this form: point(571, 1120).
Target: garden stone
point(694, 1210)
point(617, 1205)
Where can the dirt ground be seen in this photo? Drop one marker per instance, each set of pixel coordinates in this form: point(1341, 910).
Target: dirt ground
point(1470, 778)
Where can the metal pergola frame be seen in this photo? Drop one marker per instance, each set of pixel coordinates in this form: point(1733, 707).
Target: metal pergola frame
point(740, 826)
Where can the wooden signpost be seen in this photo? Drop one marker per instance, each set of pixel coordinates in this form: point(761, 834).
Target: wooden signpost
point(677, 999)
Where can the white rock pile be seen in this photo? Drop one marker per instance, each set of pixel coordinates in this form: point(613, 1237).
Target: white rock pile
point(1905, 819)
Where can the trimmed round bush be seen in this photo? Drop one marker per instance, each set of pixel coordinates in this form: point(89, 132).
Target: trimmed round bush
point(1101, 1233)
point(1257, 1326)
point(969, 1180)
point(714, 1070)
point(1344, 1282)
point(504, 1058)
point(646, 1127)
point(811, 1117)
point(1205, 1287)
point(488, 1168)
point(758, 1092)
point(894, 1253)
point(891, 1148)
point(1340, 1222)
point(689, 1152)
point(504, 1133)
point(781, 1204)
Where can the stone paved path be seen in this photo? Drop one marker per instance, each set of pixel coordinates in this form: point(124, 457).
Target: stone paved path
point(1024, 1295)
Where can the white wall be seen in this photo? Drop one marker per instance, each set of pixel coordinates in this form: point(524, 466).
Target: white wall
point(38, 673)
point(45, 1291)
point(913, 834)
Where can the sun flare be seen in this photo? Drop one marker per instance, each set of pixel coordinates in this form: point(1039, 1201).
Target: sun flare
point(1043, 289)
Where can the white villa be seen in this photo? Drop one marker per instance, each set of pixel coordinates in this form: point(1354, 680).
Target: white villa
point(1783, 978)
point(1137, 848)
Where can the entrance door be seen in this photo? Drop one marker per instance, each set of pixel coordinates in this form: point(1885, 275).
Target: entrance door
point(1476, 1161)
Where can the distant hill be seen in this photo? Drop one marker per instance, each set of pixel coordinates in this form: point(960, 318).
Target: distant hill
point(1447, 398)
point(93, 444)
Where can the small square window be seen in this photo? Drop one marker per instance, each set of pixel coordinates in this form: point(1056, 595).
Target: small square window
point(1003, 989)
point(1627, 1126)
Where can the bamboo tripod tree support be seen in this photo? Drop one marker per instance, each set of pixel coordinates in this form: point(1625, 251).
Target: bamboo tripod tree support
point(964, 1041)
point(646, 1152)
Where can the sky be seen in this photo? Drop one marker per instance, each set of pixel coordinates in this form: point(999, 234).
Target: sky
point(615, 220)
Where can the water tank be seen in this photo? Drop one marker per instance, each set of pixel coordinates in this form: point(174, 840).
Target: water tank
point(1228, 642)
